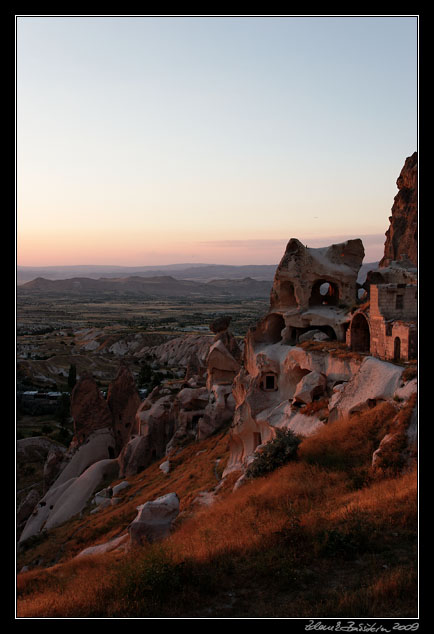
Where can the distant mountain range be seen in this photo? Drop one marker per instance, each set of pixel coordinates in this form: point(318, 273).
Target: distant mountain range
point(198, 272)
point(160, 286)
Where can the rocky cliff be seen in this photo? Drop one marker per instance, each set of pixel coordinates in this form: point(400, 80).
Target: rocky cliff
point(401, 236)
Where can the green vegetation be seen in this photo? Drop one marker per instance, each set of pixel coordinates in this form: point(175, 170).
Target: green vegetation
point(274, 454)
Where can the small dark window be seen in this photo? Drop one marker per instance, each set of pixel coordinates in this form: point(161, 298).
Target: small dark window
point(400, 301)
point(269, 382)
point(388, 330)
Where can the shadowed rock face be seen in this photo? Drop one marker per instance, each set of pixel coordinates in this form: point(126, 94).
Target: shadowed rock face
point(401, 237)
point(123, 401)
point(89, 409)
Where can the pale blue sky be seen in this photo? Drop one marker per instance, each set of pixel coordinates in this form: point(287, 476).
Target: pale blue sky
point(147, 140)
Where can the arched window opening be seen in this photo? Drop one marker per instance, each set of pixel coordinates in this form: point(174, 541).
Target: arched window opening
point(360, 335)
point(324, 293)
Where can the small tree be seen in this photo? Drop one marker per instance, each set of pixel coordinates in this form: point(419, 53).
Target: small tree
point(274, 454)
point(145, 375)
point(72, 376)
point(63, 407)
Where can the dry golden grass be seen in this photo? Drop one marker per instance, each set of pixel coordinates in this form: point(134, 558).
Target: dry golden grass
point(276, 543)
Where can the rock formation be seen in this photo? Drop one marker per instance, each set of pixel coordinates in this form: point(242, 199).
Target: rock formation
point(312, 294)
point(89, 409)
point(123, 401)
point(313, 288)
point(401, 236)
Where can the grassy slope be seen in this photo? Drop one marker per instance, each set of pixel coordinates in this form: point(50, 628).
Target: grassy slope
point(323, 536)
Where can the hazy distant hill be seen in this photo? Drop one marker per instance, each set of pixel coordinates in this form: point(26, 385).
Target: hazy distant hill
point(159, 286)
point(202, 272)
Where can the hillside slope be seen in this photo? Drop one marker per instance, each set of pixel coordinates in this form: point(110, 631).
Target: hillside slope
point(326, 535)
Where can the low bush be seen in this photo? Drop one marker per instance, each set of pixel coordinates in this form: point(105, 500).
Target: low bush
point(275, 453)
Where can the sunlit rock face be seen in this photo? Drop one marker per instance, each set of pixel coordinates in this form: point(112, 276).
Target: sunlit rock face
point(313, 290)
point(277, 379)
point(401, 236)
point(302, 270)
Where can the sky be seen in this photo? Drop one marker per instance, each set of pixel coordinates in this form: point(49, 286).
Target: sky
point(156, 140)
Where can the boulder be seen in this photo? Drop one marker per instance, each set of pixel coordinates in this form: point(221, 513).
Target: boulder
point(314, 334)
point(120, 487)
point(375, 381)
point(134, 457)
point(310, 386)
point(154, 520)
point(113, 544)
point(165, 466)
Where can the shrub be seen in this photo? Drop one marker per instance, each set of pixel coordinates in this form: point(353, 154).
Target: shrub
point(275, 453)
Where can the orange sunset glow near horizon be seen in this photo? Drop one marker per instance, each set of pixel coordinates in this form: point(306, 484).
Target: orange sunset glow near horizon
point(148, 140)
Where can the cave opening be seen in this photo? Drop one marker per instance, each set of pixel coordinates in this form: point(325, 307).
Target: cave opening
point(324, 293)
point(360, 334)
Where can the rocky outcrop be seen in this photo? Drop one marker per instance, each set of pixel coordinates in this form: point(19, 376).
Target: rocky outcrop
point(178, 351)
point(300, 378)
point(89, 409)
point(302, 270)
point(100, 445)
point(25, 509)
point(67, 498)
point(123, 401)
point(35, 449)
point(135, 456)
point(169, 418)
point(401, 236)
point(375, 381)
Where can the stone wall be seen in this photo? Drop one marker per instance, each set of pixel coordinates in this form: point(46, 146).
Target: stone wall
point(385, 302)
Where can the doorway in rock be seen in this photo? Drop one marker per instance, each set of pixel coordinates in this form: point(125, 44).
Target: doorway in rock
point(397, 349)
point(360, 334)
point(286, 295)
point(269, 330)
point(257, 439)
